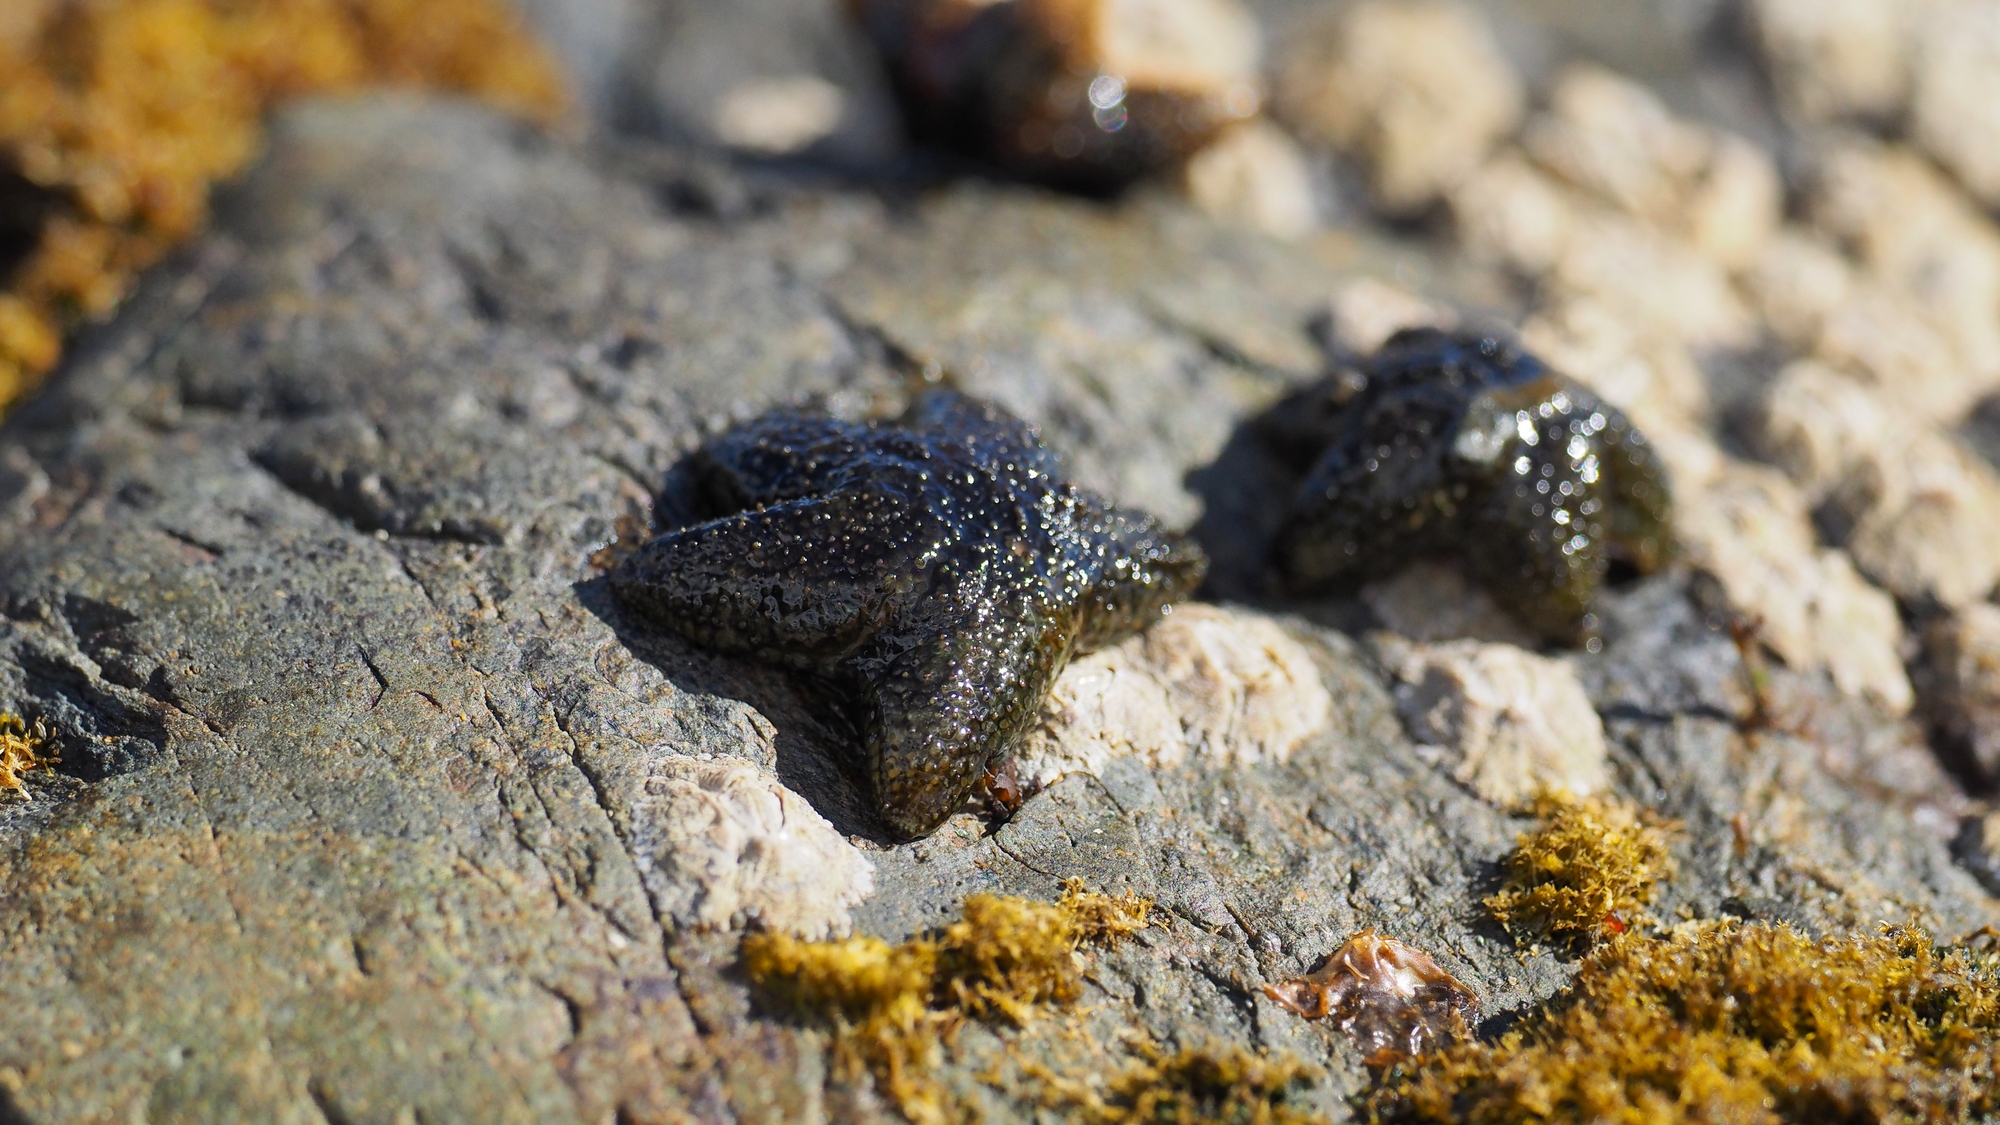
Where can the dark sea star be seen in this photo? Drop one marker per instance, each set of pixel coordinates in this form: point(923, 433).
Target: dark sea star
point(1464, 446)
point(934, 571)
point(1083, 95)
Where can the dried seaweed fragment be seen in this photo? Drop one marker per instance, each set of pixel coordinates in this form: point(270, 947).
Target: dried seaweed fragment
point(1389, 998)
point(1729, 1022)
point(892, 1007)
point(22, 748)
point(1586, 873)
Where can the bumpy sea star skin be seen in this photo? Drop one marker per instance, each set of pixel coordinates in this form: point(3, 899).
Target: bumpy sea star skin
point(935, 571)
point(1464, 446)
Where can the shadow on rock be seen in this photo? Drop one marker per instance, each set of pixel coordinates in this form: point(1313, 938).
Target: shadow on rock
point(813, 739)
point(1246, 493)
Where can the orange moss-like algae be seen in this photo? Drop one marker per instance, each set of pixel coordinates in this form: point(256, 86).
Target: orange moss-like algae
point(1217, 1085)
point(1586, 873)
point(891, 1008)
point(116, 116)
point(1733, 1022)
point(22, 748)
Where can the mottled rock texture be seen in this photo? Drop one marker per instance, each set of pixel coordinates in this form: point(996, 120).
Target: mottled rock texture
point(357, 812)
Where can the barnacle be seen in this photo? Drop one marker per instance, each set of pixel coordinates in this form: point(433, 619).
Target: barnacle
point(1464, 446)
point(117, 115)
point(1734, 1022)
point(1083, 93)
point(1389, 998)
point(934, 571)
point(1586, 873)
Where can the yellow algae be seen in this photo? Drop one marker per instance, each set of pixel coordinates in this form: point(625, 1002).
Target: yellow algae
point(1587, 872)
point(116, 116)
point(891, 1007)
point(1734, 1022)
point(1213, 1085)
point(22, 748)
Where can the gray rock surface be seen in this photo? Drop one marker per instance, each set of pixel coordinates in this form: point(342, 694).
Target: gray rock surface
point(302, 557)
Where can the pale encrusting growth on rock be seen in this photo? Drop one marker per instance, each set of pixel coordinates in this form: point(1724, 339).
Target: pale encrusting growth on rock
point(1837, 58)
point(1960, 684)
point(1363, 313)
point(1921, 512)
point(1955, 110)
point(1657, 244)
point(1511, 723)
point(723, 844)
point(1430, 601)
point(1254, 175)
point(1615, 140)
point(1419, 91)
point(1751, 530)
point(1220, 686)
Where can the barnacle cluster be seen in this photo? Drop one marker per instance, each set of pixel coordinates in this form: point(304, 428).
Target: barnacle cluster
point(22, 748)
point(1084, 93)
point(1735, 1022)
point(1586, 873)
point(117, 115)
point(936, 571)
point(1465, 446)
point(890, 1006)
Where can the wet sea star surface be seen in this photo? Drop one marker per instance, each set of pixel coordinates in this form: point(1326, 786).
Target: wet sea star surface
point(1464, 446)
point(936, 572)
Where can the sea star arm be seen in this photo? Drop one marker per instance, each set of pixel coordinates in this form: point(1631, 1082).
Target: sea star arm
point(989, 434)
point(785, 455)
point(1139, 569)
point(797, 583)
point(945, 696)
